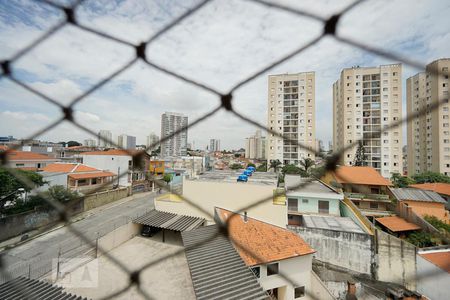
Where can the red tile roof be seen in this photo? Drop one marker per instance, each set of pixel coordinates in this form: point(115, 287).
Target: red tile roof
point(110, 152)
point(438, 187)
point(67, 168)
point(267, 242)
point(360, 175)
point(396, 224)
point(3, 148)
point(15, 155)
point(440, 259)
point(90, 175)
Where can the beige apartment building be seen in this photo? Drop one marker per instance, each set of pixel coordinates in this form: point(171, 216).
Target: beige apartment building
point(255, 146)
point(428, 134)
point(291, 102)
point(365, 101)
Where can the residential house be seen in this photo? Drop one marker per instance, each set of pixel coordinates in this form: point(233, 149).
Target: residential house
point(443, 189)
point(310, 197)
point(364, 186)
point(397, 226)
point(78, 177)
point(433, 272)
point(131, 171)
point(422, 203)
point(279, 258)
point(27, 160)
point(73, 154)
point(220, 188)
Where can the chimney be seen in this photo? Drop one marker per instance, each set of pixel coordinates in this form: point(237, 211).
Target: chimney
point(245, 217)
point(351, 290)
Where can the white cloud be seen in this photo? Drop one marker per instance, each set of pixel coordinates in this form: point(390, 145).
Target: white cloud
point(220, 45)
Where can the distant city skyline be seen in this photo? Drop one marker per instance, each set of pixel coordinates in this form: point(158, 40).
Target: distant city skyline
point(251, 47)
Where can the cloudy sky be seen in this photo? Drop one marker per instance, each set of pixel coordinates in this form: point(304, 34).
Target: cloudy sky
point(222, 44)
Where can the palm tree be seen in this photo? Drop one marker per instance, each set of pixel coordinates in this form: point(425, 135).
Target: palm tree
point(275, 164)
point(306, 164)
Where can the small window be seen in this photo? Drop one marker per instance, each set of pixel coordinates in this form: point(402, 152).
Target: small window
point(256, 271)
point(272, 269)
point(299, 292)
point(373, 205)
point(305, 201)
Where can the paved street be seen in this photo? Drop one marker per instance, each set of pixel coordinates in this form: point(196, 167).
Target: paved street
point(42, 250)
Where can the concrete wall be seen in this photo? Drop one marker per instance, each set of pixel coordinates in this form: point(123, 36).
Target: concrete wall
point(432, 282)
point(349, 250)
point(297, 270)
point(396, 260)
point(319, 289)
point(98, 199)
point(117, 237)
point(228, 195)
point(21, 223)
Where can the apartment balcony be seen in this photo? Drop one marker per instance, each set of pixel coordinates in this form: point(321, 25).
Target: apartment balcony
point(367, 197)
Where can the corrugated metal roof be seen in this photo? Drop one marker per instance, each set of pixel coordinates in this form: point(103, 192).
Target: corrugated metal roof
point(169, 221)
point(417, 195)
point(217, 270)
point(24, 288)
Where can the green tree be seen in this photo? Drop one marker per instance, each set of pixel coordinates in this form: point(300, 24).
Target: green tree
point(317, 172)
point(9, 183)
point(251, 165)
point(275, 164)
point(306, 165)
point(236, 166)
point(438, 224)
point(167, 178)
point(262, 167)
point(56, 193)
point(421, 239)
point(292, 170)
point(431, 177)
point(400, 181)
point(360, 156)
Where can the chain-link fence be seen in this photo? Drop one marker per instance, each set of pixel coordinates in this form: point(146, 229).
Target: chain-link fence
point(225, 102)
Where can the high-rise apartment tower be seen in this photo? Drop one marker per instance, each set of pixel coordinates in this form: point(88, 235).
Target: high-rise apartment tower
point(429, 133)
point(175, 146)
point(291, 113)
point(365, 101)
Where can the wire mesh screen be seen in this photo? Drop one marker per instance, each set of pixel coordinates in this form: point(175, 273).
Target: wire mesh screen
point(224, 103)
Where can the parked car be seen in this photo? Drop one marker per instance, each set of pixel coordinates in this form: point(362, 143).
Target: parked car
point(243, 178)
point(247, 172)
point(251, 168)
point(149, 230)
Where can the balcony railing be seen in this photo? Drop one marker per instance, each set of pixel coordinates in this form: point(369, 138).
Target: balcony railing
point(367, 196)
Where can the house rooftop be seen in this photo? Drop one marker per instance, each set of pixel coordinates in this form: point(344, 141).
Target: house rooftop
point(91, 175)
point(331, 223)
point(416, 195)
point(15, 155)
point(360, 175)
point(397, 224)
point(110, 152)
point(260, 178)
point(440, 258)
point(291, 182)
point(438, 187)
point(265, 241)
point(67, 168)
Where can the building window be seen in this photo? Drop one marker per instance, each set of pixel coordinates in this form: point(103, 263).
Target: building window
point(373, 205)
point(305, 201)
point(256, 271)
point(299, 292)
point(292, 204)
point(324, 207)
point(20, 165)
point(272, 269)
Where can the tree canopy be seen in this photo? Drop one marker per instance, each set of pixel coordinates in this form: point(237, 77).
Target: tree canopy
point(236, 166)
point(275, 164)
point(73, 143)
point(262, 167)
point(9, 183)
point(430, 177)
point(360, 156)
point(400, 181)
